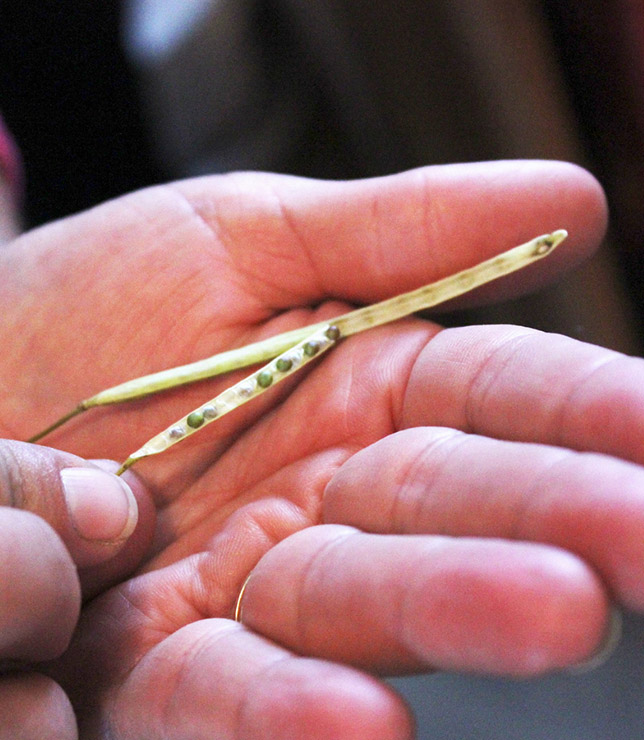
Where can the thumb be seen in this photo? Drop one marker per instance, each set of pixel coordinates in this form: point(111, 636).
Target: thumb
point(93, 511)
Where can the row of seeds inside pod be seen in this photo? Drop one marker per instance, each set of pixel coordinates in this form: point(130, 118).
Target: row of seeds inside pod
point(263, 380)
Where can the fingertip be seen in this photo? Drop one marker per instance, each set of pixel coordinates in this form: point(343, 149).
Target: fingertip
point(96, 575)
point(473, 211)
point(39, 588)
point(581, 208)
point(101, 506)
point(94, 512)
point(605, 649)
point(145, 508)
point(101, 515)
point(515, 609)
point(33, 706)
point(325, 701)
point(523, 198)
point(593, 201)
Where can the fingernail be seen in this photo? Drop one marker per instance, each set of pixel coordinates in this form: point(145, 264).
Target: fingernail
point(101, 506)
point(607, 648)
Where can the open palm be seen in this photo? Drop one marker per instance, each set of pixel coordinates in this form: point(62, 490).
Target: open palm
point(410, 503)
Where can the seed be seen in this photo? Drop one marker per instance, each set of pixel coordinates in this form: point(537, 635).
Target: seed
point(332, 333)
point(195, 419)
point(246, 389)
point(311, 349)
point(284, 364)
point(264, 379)
point(209, 412)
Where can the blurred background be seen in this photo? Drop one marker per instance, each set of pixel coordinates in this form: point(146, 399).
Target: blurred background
point(104, 98)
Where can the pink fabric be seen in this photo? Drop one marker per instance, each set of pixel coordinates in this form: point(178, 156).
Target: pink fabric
point(10, 163)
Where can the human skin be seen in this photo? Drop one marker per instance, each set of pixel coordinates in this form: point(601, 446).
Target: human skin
point(466, 499)
point(8, 216)
point(51, 533)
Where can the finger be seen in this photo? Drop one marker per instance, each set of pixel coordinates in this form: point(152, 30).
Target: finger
point(439, 481)
point(33, 707)
point(392, 603)
point(215, 679)
point(93, 511)
point(39, 589)
point(99, 576)
point(364, 240)
point(520, 384)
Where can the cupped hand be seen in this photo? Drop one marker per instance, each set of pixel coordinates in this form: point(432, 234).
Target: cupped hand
point(420, 499)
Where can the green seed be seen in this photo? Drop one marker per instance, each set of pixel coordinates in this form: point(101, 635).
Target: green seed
point(264, 379)
point(311, 349)
point(195, 420)
point(332, 333)
point(284, 364)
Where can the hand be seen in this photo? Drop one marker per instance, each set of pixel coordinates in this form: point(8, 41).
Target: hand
point(380, 532)
point(65, 526)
